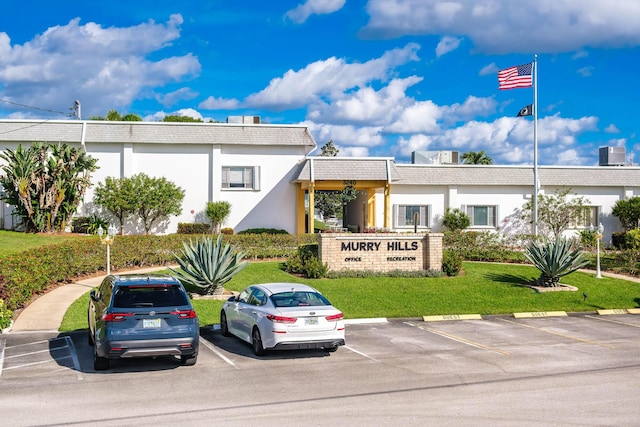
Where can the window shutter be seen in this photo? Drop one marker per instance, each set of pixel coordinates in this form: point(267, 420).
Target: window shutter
point(225, 177)
point(256, 178)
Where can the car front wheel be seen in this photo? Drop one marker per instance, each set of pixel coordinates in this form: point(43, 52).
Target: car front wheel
point(256, 342)
point(188, 360)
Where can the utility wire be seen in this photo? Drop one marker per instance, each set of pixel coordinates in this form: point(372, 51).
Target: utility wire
point(33, 108)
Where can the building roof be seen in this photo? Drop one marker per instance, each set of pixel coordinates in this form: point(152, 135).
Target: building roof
point(95, 131)
point(569, 176)
point(317, 168)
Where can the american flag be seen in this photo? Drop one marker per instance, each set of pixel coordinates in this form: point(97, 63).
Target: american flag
point(514, 77)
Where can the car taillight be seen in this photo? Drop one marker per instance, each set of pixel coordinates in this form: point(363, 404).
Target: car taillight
point(184, 314)
point(334, 317)
point(281, 319)
point(116, 317)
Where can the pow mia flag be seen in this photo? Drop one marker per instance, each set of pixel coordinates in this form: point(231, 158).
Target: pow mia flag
point(526, 111)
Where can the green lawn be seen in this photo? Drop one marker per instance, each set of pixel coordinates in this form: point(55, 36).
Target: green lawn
point(483, 288)
point(12, 242)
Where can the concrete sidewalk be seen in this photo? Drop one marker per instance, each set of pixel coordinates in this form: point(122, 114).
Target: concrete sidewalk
point(46, 312)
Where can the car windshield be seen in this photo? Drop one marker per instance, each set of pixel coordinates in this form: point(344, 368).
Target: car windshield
point(149, 296)
point(298, 298)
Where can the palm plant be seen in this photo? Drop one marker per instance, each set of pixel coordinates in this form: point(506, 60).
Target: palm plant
point(205, 265)
point(554, 260)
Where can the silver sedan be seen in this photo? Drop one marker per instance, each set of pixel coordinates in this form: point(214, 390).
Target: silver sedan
point(283, 316)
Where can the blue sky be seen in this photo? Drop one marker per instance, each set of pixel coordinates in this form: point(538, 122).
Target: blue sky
point(378, 77)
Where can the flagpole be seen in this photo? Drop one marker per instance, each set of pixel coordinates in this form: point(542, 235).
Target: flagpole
point(535, 145)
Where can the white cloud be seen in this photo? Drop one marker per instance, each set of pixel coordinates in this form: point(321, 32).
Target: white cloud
point(105, 68)
point(171, 98)
point(212, 103)
point(612, 129)
point(447, 44)
point(345, 136)
point(314, 7)
point(586, 71)
point(329, 77)
point(507, 26)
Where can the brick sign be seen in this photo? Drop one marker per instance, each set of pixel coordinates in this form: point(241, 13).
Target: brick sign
point(381, 252)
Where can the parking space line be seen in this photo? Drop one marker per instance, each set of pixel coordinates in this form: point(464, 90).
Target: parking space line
point(74, 357)
point(613, 321)
point(217, 352)
point(361, 354)
point(559, 334)
point(459, 339)
point(49, 350)
point(33, 343)
point(24, 365)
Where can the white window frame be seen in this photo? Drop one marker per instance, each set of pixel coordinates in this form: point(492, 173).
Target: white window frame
point(492, 217)
point(240, 178)
point(400, 216)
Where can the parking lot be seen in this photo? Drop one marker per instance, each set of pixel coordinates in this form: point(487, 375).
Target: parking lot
point(577, 370)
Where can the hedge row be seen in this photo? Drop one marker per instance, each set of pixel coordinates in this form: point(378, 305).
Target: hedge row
point(32, 272)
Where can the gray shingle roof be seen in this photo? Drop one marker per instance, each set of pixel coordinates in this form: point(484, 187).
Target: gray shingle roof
point(346, 168)
point(570, 176)
point(154, 132)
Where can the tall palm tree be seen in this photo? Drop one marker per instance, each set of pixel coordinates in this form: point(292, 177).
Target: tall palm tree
point(476, 158)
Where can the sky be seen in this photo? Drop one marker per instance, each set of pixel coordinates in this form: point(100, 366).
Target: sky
point(379, 78)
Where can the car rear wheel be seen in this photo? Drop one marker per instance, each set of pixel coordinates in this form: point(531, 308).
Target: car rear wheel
point(224, 326)
point(256, 342)
point(188, 360)
point(331, 349)
point(99, 363)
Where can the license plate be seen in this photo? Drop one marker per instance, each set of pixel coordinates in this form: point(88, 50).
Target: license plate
point(311, 321)
point(150, 323)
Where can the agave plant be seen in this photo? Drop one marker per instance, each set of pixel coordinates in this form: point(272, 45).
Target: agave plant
point(205, 265)
point(554, 260)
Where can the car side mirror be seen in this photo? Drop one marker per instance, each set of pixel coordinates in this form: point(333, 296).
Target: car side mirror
point(93, 296)
point(232, 299)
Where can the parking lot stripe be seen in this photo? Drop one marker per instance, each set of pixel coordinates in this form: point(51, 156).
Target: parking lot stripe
point(24, 365)
point(217, 353)
point(613, 321)
point(459, 339)
point(559, 334)
point(74, 357)
point(361, 354)
point(36, 352)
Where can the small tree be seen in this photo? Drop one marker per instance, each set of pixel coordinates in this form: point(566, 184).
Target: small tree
point(556, 211)
point(217, 212)
point(628, 212)
point(455, 220)
point(118, 196)
point(158, 198)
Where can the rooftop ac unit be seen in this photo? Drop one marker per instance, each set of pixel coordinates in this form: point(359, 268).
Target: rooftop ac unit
point(612, 156)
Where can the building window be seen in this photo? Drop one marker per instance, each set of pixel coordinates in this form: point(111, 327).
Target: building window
point(405, 215)
point(482, 216)
point(241, 177)
point(587, 217)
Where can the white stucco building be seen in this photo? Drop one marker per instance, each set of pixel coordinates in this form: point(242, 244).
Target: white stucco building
point(265, 173)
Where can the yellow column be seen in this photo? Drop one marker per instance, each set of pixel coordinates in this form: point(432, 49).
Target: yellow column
point(387, 206)
point(371, 208)
point(300, 209)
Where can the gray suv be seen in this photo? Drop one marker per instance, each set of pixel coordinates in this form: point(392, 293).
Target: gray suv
point(142, 316)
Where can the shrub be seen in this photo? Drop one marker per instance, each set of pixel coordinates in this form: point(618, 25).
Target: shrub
point(5, 316)
point(227, 231)
point(554, 260)
point(588, 238)
point(206, 266)
point(217, 212)
point(88, 224)
point(193, 228)
point(618, 239)
point(451, 262)
point(455, 220)
point(314, 268)
point(263, 231)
